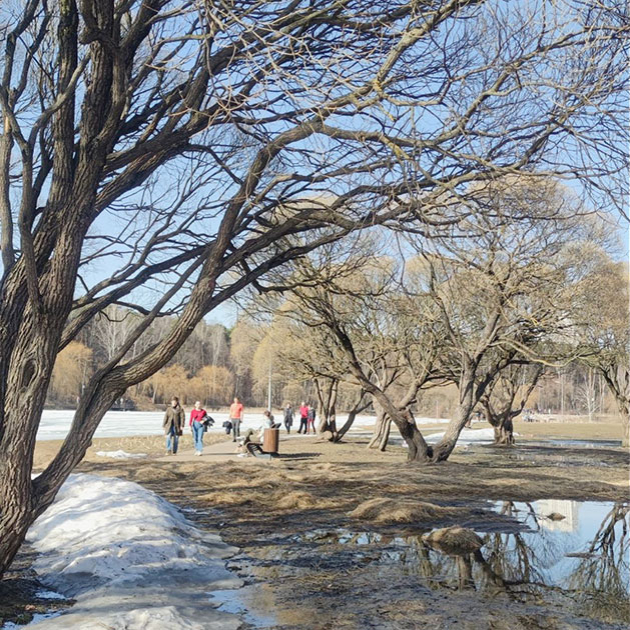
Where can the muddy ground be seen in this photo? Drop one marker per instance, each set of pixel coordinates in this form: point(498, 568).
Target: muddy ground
point(332, 536)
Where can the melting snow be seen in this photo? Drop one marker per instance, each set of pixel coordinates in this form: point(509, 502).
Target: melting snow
point(120, 454)
point(131, 560)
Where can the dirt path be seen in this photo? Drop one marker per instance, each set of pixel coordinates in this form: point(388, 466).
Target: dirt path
point(220, 452)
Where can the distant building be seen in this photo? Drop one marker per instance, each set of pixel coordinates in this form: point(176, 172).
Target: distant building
point(568, 509)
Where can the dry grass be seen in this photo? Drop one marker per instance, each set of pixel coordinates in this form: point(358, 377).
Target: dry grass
point(155, 473)
point(296, 500)
point(577, 430)
point(383, 510)
point(221, 497)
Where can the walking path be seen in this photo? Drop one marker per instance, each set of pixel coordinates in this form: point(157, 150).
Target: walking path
point(219, 452)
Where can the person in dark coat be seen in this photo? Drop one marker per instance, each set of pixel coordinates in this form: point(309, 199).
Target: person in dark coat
point(173, 425)
point(311, 419)
point(289, 414)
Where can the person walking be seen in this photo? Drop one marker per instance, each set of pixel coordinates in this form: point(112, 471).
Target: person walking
point(303, 417)
point(311, 419)
point(197, 417)
point(236, 417)
point(289, 414)
point(173, 425)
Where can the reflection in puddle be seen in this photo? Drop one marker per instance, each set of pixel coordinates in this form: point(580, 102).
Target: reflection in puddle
point(248, 602)
point(572, 553)
point(584, 443)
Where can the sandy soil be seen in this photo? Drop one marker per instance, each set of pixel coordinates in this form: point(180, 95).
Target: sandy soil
point(317, 485)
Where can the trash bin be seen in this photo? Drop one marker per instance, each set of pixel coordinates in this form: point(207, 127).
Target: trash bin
point(271, 437)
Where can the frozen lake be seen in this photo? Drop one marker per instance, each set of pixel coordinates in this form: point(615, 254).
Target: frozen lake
point(55, 423)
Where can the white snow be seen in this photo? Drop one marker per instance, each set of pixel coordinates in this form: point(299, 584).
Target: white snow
point(37, 617)
point(467, 437)
point(49, 595)
point(55, 423)
point(121, 454)
point(131, 560)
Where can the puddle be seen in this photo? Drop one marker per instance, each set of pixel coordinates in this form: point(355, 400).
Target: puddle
point(577, 560)
point(248, 602)
point(578, 443)
point(37, 617)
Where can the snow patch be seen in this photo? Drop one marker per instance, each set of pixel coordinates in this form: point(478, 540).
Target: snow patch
point(121, 454)
point(130, 559)
point(37, 617)
point(49, 595)
point(468, 436)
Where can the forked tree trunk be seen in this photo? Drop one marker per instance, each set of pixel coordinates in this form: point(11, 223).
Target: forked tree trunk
point(352, 414)
point(504, 432)
point(327, 406)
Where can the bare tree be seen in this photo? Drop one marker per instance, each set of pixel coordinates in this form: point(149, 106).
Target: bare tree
point(111, 327)
point(506, 396)
point(162, 155)
point(602, 318)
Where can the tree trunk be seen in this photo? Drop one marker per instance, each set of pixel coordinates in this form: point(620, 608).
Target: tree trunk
point(346, 426)
point(24, 500)
point(617, 378)
point(352, 414)
point(387, 429)
point(504, 431)
point(624, 409)
point(401, 415)
point(379, 426)
point(468, 397)
point(327, 407)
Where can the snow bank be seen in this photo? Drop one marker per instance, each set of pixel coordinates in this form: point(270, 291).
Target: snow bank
point(130, 559)
point(121, 454)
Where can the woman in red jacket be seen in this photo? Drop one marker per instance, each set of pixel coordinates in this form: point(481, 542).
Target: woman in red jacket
point(197, 416)
point(303, 417)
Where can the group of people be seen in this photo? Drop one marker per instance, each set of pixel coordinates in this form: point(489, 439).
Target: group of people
point(175, 420)
point(199, 422)
point(307, 418)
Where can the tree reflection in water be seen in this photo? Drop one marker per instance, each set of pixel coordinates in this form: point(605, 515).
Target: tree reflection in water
point(510, 563)
point(517, 564)
point(601, 577)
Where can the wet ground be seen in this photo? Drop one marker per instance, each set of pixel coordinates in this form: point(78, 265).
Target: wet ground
point(553, 519)
point(552, 563)
point(574, 570)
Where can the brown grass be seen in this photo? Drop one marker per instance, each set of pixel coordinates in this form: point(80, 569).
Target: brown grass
point(298, 500)
point(155, 473)
point(383, 510)
point(221, 497)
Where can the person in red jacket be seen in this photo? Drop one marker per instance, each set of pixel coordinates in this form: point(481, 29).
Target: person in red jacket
point(236, 417)
point(303, 417)
point(197, 416)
